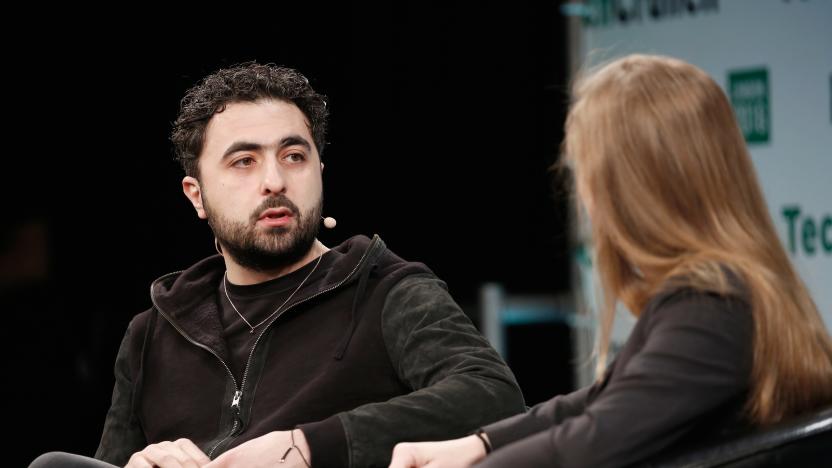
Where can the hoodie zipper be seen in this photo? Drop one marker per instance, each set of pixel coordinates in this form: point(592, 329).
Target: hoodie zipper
point(238, 393)
point(235, 402)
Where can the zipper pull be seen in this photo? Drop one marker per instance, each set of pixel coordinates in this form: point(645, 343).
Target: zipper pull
point(235, 403)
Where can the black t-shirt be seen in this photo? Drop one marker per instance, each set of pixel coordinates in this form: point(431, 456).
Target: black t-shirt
point(256, 302)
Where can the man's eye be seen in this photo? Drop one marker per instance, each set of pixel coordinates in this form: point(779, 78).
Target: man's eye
point(244, 162)
point(295, 157)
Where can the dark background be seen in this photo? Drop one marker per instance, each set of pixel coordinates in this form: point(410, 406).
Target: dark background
point(444, 122)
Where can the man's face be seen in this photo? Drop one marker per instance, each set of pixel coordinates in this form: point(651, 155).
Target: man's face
point(260, 183)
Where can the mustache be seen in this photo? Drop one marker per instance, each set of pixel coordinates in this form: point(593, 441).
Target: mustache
point(277, 201)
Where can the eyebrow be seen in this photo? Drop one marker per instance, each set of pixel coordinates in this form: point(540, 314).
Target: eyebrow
point(291, 140)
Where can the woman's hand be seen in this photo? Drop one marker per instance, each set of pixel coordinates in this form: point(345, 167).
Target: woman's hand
point(456, 453)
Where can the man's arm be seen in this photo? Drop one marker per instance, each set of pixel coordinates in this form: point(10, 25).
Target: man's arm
point(122, 434)
point(460, 383)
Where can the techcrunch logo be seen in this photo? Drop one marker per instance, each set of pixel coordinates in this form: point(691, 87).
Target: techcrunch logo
point(606, 12)
point(813, 235)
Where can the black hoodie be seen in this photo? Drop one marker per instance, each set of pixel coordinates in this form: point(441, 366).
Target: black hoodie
point(370, 352)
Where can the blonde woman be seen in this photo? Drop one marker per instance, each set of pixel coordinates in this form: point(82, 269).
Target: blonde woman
point(727, 335)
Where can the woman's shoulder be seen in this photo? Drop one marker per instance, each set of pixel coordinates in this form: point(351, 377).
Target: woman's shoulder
point(690, 306)
point(704, 329)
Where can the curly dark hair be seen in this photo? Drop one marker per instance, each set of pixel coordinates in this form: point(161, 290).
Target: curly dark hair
point(246, 82)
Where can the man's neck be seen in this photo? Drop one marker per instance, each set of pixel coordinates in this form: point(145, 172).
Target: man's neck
point(240, 275)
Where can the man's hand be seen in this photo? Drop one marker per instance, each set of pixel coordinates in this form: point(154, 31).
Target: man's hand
point(266, 451)
point(180, 454)
point(456, 453)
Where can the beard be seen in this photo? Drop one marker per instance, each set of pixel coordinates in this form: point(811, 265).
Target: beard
point(270, 249)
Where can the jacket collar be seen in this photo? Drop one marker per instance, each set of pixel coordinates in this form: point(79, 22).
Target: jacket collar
point(188, 299)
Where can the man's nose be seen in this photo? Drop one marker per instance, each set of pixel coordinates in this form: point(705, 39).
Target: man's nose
point(273, 180)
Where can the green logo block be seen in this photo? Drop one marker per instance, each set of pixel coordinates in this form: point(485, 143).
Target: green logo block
point(749, 94)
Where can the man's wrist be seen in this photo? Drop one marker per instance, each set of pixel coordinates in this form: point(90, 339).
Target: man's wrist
point(297, 443)
point(299, 439)
point(328, 442)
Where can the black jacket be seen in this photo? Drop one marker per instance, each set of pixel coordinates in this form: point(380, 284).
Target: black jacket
point(682, 376)
point(370, 352)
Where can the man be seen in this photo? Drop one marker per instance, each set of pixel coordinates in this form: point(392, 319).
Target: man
point(280, 349)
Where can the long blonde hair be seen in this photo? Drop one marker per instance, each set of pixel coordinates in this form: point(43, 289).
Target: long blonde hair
point(674, 201)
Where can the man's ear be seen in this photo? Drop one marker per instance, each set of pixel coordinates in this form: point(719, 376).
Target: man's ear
point(191, 189)
point(322, 167)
